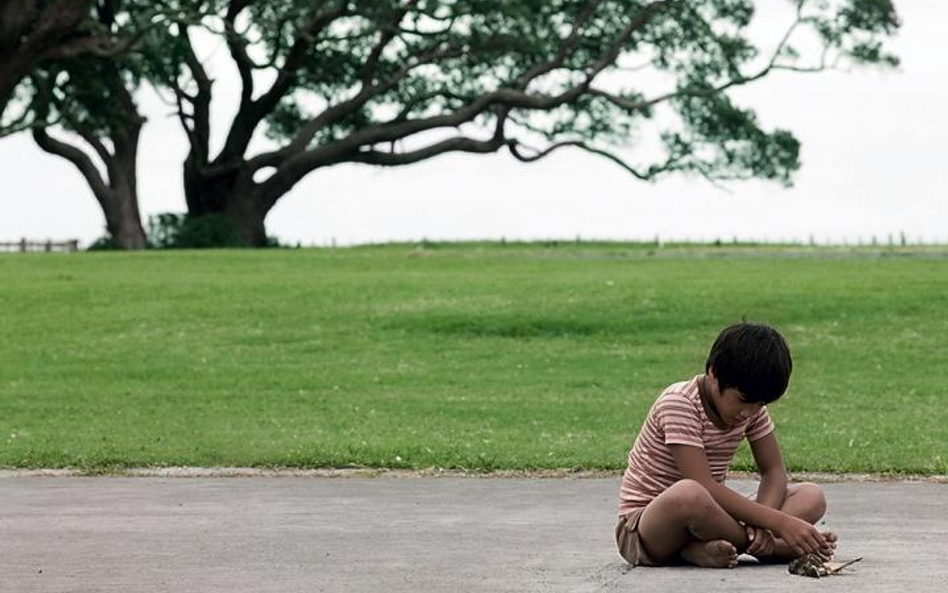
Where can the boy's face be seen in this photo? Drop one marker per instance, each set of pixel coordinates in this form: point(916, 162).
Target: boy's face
point(730, 404)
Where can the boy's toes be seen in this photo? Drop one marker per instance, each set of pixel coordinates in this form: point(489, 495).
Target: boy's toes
point(731, 554)
point(831, 539)
point(712, 554)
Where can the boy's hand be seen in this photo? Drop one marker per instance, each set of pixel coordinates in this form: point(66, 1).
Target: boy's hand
point(761, 540)
point(802, 537)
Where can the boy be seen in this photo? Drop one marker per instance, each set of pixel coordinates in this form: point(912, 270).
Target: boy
point(673, 504)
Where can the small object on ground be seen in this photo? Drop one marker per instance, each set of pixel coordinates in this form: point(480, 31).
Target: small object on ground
point(812, 565)
point(809, 565)
point(836, 566)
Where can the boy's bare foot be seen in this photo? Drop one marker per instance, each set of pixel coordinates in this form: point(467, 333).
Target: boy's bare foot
point(718, 553)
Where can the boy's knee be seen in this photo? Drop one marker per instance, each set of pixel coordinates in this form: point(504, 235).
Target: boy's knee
point(812, 499)
point(690, 497)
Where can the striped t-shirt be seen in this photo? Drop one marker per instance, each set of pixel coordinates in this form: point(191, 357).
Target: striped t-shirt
point(677, 418)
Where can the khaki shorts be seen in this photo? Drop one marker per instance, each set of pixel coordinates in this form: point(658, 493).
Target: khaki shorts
point(629, 541)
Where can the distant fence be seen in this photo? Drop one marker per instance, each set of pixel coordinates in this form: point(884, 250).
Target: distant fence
point(24, 245)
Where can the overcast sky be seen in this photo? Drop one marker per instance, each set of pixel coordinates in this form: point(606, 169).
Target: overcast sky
point(875, 163)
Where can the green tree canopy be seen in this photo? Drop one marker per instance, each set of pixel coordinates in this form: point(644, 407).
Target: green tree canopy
point(35, 32)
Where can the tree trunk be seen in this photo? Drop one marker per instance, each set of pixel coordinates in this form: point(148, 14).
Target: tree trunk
point(116, 192)
point(248, 222)
point(206, 193)
point(122, 218)
point(227, 194)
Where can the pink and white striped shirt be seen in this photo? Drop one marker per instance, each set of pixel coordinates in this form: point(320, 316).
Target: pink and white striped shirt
point(677, 418)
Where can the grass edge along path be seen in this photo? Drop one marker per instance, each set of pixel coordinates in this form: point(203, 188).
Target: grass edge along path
point(431, 472)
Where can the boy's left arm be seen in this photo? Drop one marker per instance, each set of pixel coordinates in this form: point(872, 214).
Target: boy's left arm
point(770, 493)
point(773, 473)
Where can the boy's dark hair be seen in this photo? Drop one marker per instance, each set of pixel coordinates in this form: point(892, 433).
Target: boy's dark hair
point(754, 359)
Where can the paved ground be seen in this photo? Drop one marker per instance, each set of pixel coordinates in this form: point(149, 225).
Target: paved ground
point(410, 534)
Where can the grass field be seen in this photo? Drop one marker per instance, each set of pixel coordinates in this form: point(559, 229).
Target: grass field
point(465, 356)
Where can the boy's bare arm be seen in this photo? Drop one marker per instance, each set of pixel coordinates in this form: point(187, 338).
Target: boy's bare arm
point(694, 465)
point(773, 473)
point(802, 537)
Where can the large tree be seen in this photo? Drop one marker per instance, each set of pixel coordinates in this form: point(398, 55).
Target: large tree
point(78, 99)
point(396, 82)
point(73, 66)
point(92, 100)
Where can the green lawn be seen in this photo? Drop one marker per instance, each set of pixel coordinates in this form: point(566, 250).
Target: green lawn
point(466, 356)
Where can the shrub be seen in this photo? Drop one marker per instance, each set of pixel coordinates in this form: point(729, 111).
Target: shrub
point(172, 230)
point(104, 243)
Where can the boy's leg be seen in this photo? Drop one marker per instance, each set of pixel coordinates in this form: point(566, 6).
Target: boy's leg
point(805, 501)
point(685, 520)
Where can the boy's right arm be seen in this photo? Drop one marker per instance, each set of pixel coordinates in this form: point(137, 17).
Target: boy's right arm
point(802, 537)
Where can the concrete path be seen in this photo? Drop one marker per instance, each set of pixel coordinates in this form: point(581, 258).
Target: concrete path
point(414, 535)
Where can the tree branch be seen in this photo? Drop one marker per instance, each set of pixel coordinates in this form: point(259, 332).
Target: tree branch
point(238, 51)
point(294, 161)
point(179, 98)
point(284, 180)
point(633, 105)
point(423, 99)
point(457, 144)
point(200, 131)
point(336, 112)
point(297, 54)
point(297, 158)
point(287, 176)
point(386, 34)
point(60, 37)
point(514, 147)
point(438, 33)
point(78, 158)
point(22, 122)
point(28, 35)
point(613, 53)
point(252, 112)
point(102, 46)
point(567, 48)
point(90, 138)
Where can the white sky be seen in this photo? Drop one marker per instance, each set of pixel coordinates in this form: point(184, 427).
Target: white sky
point(875, 162)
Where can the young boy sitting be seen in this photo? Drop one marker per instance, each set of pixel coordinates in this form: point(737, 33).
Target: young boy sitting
point(673, 504)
